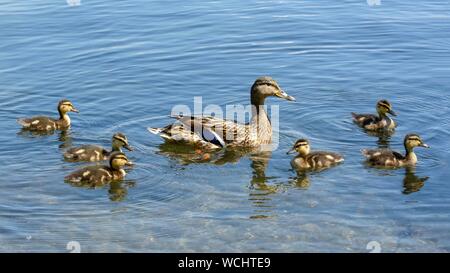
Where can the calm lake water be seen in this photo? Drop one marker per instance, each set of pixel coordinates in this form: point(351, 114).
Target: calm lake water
point(125, 64)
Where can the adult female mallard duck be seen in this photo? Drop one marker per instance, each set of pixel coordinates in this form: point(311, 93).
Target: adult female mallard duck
point(389, 158)
point(211, 132)
point(42, 123)
point(307, 160)
point(100, 174)
point(373, 122)
point(97, 153)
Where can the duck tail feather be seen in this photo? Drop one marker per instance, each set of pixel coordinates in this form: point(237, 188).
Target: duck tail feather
point(24, 122)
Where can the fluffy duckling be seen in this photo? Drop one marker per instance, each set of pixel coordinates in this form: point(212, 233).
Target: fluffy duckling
point(101, 174)
point(307, 160)
point(42, 123)
point(389, 158)
point(373, 122)
point(97, 153)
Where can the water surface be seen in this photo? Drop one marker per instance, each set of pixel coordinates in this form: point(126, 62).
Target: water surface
point(125, 64)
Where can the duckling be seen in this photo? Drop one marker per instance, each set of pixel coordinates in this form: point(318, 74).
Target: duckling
point(211, 132)
point(101, 174)
point(389, 158)
point(381, 122)
point(42, 123)
point(306, 160)
point(97, 153)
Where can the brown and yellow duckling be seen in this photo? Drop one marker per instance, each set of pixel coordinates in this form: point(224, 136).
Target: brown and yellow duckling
point(43, 123)
point(97, 153)
point(101, 174)
point(377, 122)
point(389, 158)
point(307, 160)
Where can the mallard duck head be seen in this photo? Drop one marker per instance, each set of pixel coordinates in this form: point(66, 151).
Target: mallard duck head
point(301, 146)
point(265, 87)
point(413, 140)
point(120, 140)
point(118, 160)
point(65, 106)
point(384, 107)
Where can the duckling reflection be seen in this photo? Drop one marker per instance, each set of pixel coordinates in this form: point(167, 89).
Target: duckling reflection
point(118, 190)
point(384, 137)
point(301, 181)
point(25, 133)
point(411, 182)
point(66, 138)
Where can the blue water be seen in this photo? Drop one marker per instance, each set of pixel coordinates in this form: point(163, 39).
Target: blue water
point(125, 64)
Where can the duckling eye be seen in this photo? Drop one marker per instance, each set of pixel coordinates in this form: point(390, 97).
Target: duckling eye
point(123, 140)
point(415, 140)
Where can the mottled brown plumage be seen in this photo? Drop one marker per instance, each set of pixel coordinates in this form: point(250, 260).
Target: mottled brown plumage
point(97, 153)
point(43, 123)
point(377, 122)
point(211, 132)
point(307, 160)
point(101, 174)
point(389, 158)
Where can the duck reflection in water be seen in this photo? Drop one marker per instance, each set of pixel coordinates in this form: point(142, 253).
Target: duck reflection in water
point(117, 190)
point(301, 181)
point(64, 136)
point(384, 137)
point(259, 187)
point(411, 182)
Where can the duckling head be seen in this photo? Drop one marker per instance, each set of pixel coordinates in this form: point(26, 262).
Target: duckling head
point(384, 107)
point(65, 106)
point(118, 160)
point(120, 140)
point(413, 140)
point(265, 87)
point(301, 146)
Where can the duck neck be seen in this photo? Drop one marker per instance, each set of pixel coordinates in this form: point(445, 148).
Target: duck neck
point(382, 115)
point(410, 155)
point(260, 120)
point(64, 117)
point(115, 147)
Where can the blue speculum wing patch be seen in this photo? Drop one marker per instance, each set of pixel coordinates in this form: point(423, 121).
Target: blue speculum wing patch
point(212, 137)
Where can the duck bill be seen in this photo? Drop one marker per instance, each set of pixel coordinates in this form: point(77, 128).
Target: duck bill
point(392, 113)
point(129, 163)
point(424, 145)
point(128, 147)
point(75, 110)
point(284, 95)
point(292, 150)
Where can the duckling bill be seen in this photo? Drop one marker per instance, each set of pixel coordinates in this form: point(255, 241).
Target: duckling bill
point(381, 121)
point(97, 153)
point(101, 174)
point(43, 123)
point(389, 158)
point(307, 160)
